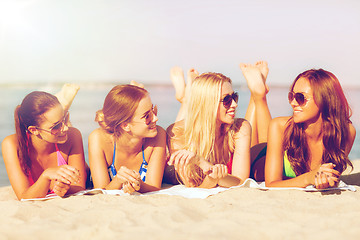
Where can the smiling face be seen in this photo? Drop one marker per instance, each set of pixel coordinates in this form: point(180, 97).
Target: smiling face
point(309, 111)
point(143, 123)
point(226, 115)
point(53, 120)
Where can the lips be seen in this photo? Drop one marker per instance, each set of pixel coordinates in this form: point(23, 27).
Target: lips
point(231, 113)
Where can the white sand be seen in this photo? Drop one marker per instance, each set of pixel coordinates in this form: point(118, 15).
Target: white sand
point(237, 213)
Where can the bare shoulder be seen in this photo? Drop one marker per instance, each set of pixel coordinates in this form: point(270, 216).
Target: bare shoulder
point(241, 127)
point(99, 135)
point(279, 123)
point(352, 131)
point(10, 142)
point(176, 128)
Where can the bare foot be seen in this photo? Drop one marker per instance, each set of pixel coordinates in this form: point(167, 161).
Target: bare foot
point(178, 80)
point(264, 69)
point(254, 79)
point(140, 85)
point(191, 75)
point(67, 95)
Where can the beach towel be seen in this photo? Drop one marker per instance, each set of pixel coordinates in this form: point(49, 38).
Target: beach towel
point(200, 193)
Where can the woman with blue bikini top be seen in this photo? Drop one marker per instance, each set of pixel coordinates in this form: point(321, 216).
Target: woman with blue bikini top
point(128, 150)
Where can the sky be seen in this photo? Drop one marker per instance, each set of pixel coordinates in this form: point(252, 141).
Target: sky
point(85, 41)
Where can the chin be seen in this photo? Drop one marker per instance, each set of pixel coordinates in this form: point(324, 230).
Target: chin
point(62, 139)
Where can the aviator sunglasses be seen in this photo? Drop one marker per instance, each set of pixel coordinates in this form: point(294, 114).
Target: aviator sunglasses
point(227, 100)
point(59, 127)
point(299, 97)
point(149, 115)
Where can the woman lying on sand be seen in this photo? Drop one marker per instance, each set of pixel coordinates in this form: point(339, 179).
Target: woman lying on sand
point(312, 146)
point(45, 154)
point(128, 150)
point(210, 146)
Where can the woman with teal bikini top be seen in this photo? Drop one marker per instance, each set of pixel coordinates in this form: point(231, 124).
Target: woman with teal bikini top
point(128, 150)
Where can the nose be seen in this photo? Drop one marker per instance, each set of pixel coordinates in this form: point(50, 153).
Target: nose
point(64, 127)
point(155, 118)
point(233, 104)
point(293, 103)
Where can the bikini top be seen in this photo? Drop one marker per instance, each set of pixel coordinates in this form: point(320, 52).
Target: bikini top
point(142, 170)
point(287, 170)
point(60, 161)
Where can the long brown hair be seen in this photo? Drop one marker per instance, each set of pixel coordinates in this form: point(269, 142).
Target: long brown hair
point(335, 112)
point(119, 106)
point(29, 113)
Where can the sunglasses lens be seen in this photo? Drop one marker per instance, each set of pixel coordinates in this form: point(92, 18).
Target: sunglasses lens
point(57, 128)
point(227, 101)
point(299, 97)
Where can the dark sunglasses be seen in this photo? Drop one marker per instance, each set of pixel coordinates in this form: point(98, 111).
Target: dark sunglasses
point(227, 100)
point(56, 129)
point(299, 97)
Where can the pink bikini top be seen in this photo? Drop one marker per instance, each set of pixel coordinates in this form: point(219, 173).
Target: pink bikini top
point(60, 161)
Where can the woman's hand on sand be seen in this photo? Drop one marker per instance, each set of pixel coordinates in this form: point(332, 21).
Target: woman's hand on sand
point(326, 176)
point(126, 175)
point(61, 188)
point(65, 173)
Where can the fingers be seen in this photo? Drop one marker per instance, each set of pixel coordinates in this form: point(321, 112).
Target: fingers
point(60, 188)
point(324, 180)
point(64, 173)
point(128, 188)
point(128, 175)
point(219, 171)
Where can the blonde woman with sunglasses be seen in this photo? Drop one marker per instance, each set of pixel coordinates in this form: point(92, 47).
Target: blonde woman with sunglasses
point(45, 155)
point(311, 147)
point(128, 150)
point(210, 146)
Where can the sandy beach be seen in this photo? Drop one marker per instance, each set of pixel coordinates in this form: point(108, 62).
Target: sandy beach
point(241, 213)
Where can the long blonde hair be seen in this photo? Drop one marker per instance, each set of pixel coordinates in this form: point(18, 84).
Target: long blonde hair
point(201, 120)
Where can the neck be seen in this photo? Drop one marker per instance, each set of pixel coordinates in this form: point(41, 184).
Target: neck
point(129, 143)
point(41, 146)
point(313, 130)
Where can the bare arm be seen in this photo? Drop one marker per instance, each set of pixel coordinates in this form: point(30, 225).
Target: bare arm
point(156, 163)
point(98, 163)
point(76, 159)
point(20, 181)
point(241, 157)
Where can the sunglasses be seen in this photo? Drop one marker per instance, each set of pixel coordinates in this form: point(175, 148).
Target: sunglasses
point(149, 116)
point(59, 127)
point(227, 100)
point(299, 97)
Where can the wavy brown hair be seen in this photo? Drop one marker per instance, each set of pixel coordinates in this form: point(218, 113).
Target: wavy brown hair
point(29, 113)
point(119, 106)
point(335, 112)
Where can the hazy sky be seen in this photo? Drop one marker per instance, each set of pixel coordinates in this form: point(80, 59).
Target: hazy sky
point(114, 40)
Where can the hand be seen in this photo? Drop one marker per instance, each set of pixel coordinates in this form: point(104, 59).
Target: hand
point(218, 171)
point(126, 175)
point(65, 173)
point(129, 187)
point(180, 159)
point(61, 188)
point(326, 176)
